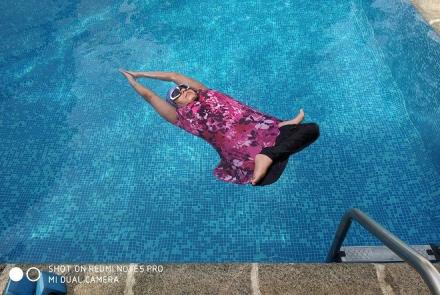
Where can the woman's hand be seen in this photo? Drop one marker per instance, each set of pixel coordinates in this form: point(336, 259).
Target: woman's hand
point(131, 79)
point(134, 74)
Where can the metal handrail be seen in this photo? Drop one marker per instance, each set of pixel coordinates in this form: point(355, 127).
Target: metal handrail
point(425, 268)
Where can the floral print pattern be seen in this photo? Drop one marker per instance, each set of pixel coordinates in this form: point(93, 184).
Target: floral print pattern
point(235, 130)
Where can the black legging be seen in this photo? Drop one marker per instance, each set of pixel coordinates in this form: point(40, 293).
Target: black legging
point(292, 139)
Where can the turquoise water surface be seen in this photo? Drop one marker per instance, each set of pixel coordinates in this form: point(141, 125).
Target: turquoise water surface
point(89, 172)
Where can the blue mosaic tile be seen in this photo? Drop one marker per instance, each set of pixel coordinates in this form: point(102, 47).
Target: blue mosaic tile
point(90, 173)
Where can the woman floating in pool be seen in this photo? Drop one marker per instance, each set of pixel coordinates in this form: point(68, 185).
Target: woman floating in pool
point(254, 147)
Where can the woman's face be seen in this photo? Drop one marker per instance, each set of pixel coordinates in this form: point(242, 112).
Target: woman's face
point(187, 96)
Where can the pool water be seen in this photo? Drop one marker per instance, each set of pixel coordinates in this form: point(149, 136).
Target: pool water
point(90, 173)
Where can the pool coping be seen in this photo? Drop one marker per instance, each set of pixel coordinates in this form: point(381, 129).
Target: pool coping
point(430, 10)
point(245, 278)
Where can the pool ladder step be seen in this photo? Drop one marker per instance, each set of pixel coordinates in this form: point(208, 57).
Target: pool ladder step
point(368, 254)
point(417, 256)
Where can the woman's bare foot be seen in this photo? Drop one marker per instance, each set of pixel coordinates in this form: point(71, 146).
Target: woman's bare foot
point(298, 119)
point(262, 163)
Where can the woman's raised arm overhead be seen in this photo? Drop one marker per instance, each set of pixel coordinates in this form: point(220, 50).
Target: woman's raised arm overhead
point(164, 76)
point(167, 111)
point(169, 76)
point(181, 79)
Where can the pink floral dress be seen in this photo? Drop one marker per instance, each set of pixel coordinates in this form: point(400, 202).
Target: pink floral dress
point(236, 131)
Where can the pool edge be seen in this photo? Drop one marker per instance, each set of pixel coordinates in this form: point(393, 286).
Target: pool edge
point(430, 12)
point(251, 278)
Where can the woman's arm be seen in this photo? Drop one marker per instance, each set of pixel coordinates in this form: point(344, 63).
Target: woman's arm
point(181, 79)
point(164, 109)
point(164, 76)
point(170, 76)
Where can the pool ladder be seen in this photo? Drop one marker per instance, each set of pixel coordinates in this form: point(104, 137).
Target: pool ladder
point(414, 258)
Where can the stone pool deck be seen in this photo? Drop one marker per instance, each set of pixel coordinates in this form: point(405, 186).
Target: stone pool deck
point(240, 279)
point(430, 10)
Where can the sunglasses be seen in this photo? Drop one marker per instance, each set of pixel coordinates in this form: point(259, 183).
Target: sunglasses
point(177, 92)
